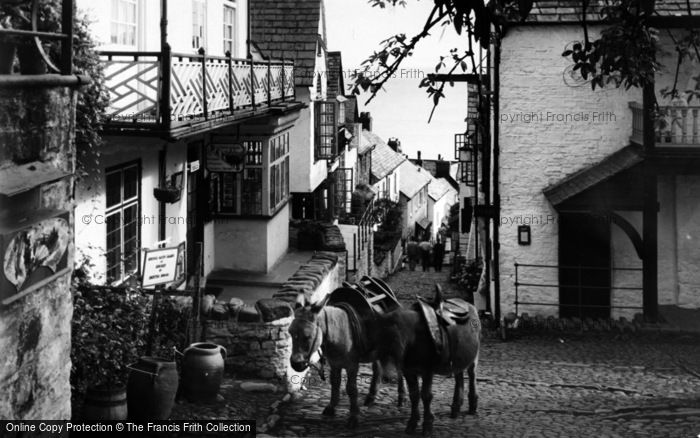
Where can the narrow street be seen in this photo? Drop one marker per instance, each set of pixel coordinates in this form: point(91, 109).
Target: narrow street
point(602, 384)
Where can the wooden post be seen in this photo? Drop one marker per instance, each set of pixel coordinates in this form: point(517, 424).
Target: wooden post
point(252, 82)
point(153, 322)
point(67, 42)
point(205, 109)
point(165, 68)
point(650, 300)
point(197, 296)
point(269, 82)
point(229, 68)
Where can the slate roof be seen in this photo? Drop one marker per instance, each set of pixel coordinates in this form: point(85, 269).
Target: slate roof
point(562, 11)
point(590, 176)
point(289, 29)
point(412, 179)
point(439, 187)
point(384, 159)
point(336, 82)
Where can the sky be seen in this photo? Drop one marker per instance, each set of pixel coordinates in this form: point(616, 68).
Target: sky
point(356, 29)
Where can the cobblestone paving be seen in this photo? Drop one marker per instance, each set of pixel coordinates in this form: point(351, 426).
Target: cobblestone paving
point(603, 385)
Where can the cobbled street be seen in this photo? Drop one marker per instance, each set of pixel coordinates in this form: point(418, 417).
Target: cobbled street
point(597, 384)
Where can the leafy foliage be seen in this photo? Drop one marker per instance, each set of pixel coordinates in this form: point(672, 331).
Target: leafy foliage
point(110, 328)
point(469, 275)
point(388, 215)
point(622, 55)
point(611, 59)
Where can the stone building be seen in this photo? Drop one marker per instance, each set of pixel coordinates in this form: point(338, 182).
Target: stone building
point(590, 220)
point(37, 168)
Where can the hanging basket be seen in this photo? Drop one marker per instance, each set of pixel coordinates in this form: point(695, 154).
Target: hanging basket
point(169, 195)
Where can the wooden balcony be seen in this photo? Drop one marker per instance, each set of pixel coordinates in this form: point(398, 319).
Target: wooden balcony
point(677, 126)
point(174, 94)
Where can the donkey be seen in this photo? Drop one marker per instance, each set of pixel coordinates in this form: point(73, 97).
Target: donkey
point(407, 344)
point(329, 329)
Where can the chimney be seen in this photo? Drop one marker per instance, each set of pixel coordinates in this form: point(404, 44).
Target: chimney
point(395, 144)
point(366, 120)
point(419, 161)
point(439, 157)
point(442, 169)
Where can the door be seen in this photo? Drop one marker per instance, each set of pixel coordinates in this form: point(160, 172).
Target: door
point(195, 204)
point(584, 266)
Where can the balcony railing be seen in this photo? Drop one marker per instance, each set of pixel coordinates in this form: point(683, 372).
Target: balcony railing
point(164, 89)
point(677, 126)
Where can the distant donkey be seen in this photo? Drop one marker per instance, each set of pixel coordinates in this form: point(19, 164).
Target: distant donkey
point(441, 337)
point(341, 334)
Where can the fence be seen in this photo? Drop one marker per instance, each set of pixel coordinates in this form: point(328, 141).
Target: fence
point(680, 127)
point(580, 286)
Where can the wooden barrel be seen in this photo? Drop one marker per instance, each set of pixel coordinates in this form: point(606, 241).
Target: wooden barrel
point(104, 404)
point(202, 371)
point(151, 388)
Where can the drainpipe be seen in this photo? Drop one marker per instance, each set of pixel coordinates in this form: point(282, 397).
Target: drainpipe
point(496, 195)
point(486, 186)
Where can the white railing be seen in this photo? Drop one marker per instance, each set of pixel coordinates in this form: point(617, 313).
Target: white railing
point(676, 126)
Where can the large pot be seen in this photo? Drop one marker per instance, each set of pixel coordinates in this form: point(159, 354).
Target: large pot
point(151, 388)
point(202, 371)
point(105, 404)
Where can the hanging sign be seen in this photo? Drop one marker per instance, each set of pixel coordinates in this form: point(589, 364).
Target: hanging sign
point(160, 266)
point(226, 157)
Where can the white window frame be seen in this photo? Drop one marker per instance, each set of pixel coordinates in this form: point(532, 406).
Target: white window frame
point(199, 24)
point(119, 25)
point(230, 5)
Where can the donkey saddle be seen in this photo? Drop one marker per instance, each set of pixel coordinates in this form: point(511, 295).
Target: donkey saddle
point(441, 313)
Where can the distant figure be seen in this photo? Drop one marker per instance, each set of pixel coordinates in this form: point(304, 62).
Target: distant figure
point(425, 248)
point(412, 252)
point(438, 255)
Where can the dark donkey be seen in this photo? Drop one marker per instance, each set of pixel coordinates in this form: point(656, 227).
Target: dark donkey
point(428, 340)
point(341, 334)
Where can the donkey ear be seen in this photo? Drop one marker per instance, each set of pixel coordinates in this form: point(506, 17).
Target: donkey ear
point(300, 301)
point(316, 307)
point(438, 293)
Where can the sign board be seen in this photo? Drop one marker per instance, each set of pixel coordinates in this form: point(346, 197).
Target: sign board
point(194, 166)
point(159, 266)
point(226, 158)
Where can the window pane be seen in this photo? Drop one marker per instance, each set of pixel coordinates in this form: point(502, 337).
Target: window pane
point(131, 182)
point(114, 188)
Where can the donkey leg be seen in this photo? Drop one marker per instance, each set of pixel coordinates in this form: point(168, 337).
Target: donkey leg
point(473, 397)
point(458, 397)
point(335, 392)
point(376, 378)
point(402, 388)
point(427, 396)
point(414, 395)
point(351, 389)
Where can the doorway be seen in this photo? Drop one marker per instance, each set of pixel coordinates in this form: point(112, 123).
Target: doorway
point(584, 266)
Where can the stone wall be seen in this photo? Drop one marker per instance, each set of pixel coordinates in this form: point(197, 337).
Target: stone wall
point(389, 261)
point(37, 125)
point(256, 337)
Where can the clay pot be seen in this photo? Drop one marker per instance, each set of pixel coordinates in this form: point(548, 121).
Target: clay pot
point(105, 404)
point(202, 371)
point(151, 388)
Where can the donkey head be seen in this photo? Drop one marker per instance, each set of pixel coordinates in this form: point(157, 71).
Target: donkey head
point(307, 336)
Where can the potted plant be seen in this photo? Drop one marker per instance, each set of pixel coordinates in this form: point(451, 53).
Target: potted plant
point(108, 332)
point(170, 192)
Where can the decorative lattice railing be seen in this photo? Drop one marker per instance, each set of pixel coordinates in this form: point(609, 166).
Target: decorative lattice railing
point(160, 88)
point(674, 125)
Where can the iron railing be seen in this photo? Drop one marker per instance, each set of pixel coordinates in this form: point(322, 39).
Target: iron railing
point(165, 88)
point(360, 240)
point(580, 287)
point(679, 126)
